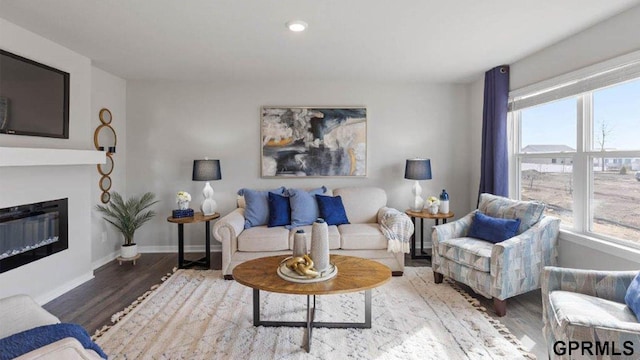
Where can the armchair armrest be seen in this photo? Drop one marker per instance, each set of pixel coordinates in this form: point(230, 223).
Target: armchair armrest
point(517, 263)
point(452, 230)
point(610, 285)
point(226, 230)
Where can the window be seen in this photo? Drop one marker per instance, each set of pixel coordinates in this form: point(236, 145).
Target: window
point(576, 147)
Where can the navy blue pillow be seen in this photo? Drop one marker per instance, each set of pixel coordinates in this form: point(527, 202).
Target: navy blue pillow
point(279, 210)
point(29, 340)
point(332, 210)
point(632, 297)
point(493, 229)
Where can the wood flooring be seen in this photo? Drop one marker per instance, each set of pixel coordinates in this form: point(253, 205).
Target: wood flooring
point(117, 286)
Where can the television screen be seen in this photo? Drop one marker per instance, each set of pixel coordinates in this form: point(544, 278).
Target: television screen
point(34, 98)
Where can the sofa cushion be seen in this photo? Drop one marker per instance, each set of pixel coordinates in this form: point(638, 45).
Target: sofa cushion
point(575, 309)
point(362, 236)
point(279, 210)
point(334, 236)
point(257, 206)
point(362, 203)
point(492, 229)
point(529, 212)
point(263, 238)
point(467, 251)
point(332, 209)
point(304, 208)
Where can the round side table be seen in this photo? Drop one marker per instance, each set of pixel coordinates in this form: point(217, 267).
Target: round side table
point(196, 218)
point(415, 215)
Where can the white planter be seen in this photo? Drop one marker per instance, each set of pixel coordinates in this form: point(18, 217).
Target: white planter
point(128, 251)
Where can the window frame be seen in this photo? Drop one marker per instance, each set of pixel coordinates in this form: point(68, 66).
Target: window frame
point(582, 158)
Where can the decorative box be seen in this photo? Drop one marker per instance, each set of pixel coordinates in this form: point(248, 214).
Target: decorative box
point(180, 213)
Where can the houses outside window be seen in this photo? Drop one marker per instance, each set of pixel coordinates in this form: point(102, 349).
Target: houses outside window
point(576, 147)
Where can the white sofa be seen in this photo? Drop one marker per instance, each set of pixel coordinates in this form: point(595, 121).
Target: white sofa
point(362, 237)
point(19, 313)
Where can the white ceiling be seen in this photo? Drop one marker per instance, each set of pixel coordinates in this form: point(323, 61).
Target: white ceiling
point(376, 40)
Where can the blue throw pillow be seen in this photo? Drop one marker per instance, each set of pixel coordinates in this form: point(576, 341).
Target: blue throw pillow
point(632, 297)
point(493, 229)
point(256, 211)
point(332, 210)
point(304, 208)
point(279, 210)
point(32, 339)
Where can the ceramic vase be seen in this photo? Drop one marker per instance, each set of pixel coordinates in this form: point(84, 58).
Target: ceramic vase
point(320, 245)
point(433, 209)
point(444, 202)
point(299, 243)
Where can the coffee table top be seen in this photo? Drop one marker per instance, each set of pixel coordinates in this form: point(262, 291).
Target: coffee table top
point(354, 274)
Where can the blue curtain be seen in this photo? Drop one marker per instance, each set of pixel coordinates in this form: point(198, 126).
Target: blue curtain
point(494, 172)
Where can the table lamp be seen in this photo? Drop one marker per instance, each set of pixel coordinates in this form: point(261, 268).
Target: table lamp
point(417, 169)
point(205, 170)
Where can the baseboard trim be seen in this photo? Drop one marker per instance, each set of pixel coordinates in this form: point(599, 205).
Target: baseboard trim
point(104, 260)
point(68, 286)
point(174, 249)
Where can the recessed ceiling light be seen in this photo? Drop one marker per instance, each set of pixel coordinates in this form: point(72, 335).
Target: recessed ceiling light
point(297, 26)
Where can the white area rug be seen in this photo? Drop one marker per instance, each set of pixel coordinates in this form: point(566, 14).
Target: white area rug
point(196, 314)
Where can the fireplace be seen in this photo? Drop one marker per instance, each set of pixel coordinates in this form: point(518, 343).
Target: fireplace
point(32, 231)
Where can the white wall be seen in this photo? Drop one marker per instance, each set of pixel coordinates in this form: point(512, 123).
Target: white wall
point(108, 91)
point(52, 276)
point(606, 40)
point(170, 124)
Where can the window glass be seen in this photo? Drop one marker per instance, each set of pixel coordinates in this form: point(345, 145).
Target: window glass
point(615, 203)
point(616, 115)
point(549, 127)
point(549, 180)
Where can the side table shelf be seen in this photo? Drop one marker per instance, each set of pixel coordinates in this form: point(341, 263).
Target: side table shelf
point(197, 218)
point(415, 215)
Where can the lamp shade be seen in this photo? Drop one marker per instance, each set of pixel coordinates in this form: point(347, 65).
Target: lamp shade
point(205, 170)
point(418, 169)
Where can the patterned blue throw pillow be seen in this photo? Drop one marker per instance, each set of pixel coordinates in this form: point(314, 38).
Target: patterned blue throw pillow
point(632, 297)
point(493, 229)
point(332, 210)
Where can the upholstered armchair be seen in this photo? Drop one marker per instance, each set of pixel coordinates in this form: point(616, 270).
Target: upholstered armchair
point(587, 308)
point(504, 269)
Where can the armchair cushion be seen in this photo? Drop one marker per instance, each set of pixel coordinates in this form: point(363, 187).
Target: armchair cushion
point(575, 309)
point(332, 209)
point(493, 229)
point(467, 251)
point(529, 212)
point(632, 297)
point(257, 206)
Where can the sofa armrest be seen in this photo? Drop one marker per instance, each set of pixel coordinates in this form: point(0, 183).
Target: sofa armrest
point(610, 285)
point(64, 349)
point(517, 263)
point(226, 230)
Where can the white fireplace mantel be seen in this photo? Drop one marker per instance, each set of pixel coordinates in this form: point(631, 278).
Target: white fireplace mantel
point(16, 156)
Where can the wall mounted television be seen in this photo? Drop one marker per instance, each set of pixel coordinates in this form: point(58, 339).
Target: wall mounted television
point(34, 98)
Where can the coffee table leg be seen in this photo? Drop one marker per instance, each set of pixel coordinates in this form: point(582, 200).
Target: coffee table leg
point(367, 309)
point(256, 307)
point(311, 314)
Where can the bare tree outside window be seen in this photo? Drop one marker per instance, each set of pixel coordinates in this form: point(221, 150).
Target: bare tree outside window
point(603, 134)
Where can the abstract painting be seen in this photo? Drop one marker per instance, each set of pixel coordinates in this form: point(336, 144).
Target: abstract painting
point(314, 141)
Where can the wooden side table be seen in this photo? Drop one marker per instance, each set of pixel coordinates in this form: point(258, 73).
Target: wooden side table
point(197, 217)
point(424, 215)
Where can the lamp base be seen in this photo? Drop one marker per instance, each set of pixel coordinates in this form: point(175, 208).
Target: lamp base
point(209, 205)
point(418, 202)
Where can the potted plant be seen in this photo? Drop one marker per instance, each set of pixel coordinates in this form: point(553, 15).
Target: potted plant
point(127, 216)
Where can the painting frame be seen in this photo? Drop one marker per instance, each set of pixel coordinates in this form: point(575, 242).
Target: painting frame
point(313, 141)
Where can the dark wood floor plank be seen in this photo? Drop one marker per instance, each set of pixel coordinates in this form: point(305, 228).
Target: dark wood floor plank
point(117, 286)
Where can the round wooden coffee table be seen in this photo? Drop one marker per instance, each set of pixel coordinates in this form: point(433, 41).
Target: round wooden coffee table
point(354, 274)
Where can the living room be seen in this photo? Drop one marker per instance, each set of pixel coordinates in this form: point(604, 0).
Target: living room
point(182, 85)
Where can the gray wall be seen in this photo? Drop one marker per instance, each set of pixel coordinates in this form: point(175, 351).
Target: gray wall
point(172, 123)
